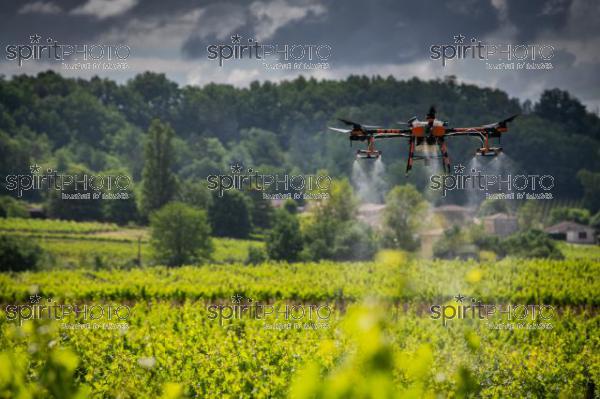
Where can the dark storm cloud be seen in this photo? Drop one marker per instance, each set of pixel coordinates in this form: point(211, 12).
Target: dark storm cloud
point(366, 37)
point(370, 32)
point(533, 17)
point(56, 19)
point(360, 32)
point(219, 19)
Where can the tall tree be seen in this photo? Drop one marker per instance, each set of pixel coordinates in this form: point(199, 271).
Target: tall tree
point(334, 232)
point(590, 181)
point(180, 234)
point(230, 215)
point(121, 206)
point(261, 210)
point(158, 180)
point(284, 241)
point(404, 210)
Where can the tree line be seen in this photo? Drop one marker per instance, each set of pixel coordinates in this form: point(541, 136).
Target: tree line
point(101, 125)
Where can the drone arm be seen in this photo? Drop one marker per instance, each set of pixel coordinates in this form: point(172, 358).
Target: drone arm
point(390, 135)
point(457, 132)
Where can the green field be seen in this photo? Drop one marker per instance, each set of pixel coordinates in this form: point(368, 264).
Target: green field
point(86, 245)
point(380, 337)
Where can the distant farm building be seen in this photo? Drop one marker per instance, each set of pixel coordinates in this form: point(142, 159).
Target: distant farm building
point(572, 232)
point(428, 240)
point(36, 212)
point(500, 224)
point(371, 214)
point(455, 215)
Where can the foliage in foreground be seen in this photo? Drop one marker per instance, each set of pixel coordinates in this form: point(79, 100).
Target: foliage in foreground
point(388, 348)
point(54, 365)
point(375, 350)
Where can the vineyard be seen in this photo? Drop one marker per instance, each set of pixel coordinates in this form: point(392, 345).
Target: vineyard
point(379, 340)
point(86, 245)
point(567, 282)
point(53, 226)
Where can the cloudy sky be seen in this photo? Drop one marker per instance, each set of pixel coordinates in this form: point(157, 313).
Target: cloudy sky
point(386, 37)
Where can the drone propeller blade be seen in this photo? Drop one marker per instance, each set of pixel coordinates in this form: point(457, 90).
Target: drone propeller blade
point(512, 118)
point(350, 123)
point(335, 129)
point(358, 126)
point(431, 113)
point(503, 123)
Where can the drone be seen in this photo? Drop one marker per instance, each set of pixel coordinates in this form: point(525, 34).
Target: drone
point(431, 131)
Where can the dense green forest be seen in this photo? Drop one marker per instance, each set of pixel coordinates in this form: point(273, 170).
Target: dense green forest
point(100, 125)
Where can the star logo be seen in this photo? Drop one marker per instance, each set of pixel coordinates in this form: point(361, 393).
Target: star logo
point(459, 39)
point(236, 168)
point(459, 169)
point(35, 168)
point(459, 298)
point(236, 298)
point(236, 38)
point(34, 39)
point(35, 298)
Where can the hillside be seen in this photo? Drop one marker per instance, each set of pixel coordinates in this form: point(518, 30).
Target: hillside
point(100, 125)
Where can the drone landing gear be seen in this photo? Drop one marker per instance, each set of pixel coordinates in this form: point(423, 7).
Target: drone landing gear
point(444, 151)
point(486, 150)
point(426, 158)
point(489, 151)
point(370, 152)
point(365, 154)
point(411, 154)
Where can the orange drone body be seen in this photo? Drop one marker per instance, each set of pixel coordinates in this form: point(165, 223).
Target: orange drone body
point(431, 131)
